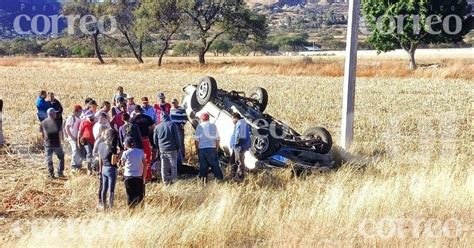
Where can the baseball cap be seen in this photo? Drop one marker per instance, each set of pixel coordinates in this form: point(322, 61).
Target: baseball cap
point(130, 97)
point(129, 141)
point(92, 102)
point(51, 110)
point(144, 99)
point(161, 95)
point(77, 108)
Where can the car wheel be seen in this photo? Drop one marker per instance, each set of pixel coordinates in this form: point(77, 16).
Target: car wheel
point(263, 145)
point(206, 90)
point(324, 140)
point(261, 95)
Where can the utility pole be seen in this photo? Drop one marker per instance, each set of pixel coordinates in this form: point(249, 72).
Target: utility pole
point(347, 127)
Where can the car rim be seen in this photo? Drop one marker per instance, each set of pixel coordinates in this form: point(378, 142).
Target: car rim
point(203, 90)
point(261, 145)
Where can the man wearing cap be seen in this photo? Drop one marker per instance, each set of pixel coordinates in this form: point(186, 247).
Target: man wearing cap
point(145, 125)
point(166, 138)
point(148, 109)
point(85, 138)
point(179, 118)
point(207, 143)
point(52, 143)
point(56, 105)
point(72, 130)
point(161, 106)
point(130, 104)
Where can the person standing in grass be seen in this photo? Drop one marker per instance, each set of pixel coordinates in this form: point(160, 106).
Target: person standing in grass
point(72, 131)
point(148, 109)
point(130, 104)
point(118, 106)
point(129, 129)
point(85, 138)
point(52, 137)
point(105, 109)
point(2, 139)
point(118, 94)
point(166, 139)
point(161, 106)
point(240, 144)
point(146, 125)
point(42, 106)
point(133, 162)
point(56, 105)
point(108, 159)
point(207, 144)
point(179, 117)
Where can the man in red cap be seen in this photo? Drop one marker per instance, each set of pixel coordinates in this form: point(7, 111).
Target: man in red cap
point(71, 132)
point(207, 143)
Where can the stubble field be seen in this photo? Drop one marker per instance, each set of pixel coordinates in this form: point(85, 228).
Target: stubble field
point(408, 179)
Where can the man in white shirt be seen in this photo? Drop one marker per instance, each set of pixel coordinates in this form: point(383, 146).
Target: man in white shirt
point(72, 130)
point(207, 143)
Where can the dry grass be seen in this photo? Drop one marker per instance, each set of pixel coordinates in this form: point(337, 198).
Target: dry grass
point(411, 161)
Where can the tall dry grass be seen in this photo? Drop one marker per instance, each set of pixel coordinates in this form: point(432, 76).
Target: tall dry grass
point(411, 164)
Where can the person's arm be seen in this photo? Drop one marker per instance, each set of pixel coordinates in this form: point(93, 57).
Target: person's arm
point(144, 168)
point(218, 138)
point(79, 135)
point(176, 137)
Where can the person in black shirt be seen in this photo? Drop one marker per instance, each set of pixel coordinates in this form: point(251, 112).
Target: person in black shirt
point(52, 136)
point(129, 129)
point(146, 125)
point(56, 105)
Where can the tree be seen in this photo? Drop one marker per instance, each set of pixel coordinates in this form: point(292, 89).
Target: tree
point(407, 24)
point(185, 48)
point(123, 11)
point(161, 17)
point(56, 48)
point(221, 46)
point(213, 18)
point(84, 8)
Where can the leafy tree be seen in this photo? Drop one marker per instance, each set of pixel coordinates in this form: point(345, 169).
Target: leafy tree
point(83, 8)
point(221, 46)
point(123, 11)
point(185, 48)
point(56, 48)
point(407, 24)
point(213, 18)
point(161, 17)
point(290, 43)
point(24, 47)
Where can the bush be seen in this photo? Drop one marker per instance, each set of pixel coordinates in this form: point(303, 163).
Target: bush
point(185, 48)
point(55, 48)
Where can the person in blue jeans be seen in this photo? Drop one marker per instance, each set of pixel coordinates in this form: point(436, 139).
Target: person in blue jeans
point(207, 143)
point(108, 159)
point(52, 143)
point(240, 144)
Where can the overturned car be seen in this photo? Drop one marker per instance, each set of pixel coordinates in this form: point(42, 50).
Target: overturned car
point(273, 143)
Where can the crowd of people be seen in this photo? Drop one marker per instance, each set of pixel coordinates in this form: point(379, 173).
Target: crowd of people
point(137, 138)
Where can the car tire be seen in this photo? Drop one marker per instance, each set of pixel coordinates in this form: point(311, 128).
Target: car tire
point(323, 135)
point(261, 95)
point(263, 145)
point(206, 90)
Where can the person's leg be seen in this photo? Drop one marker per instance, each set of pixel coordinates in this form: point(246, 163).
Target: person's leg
point(182, 145)
point(140, 191)
point(213, 161)
point(203, 166)
point(105, 187)
point(174, 166)
point(60, 154)
point(75, 155)
point(89, 156)
point(128, 190)
point(166, 167)
point(2, 139)
point(112, 182)
point(101, 180)
point(147, 151)
point(49, 160)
